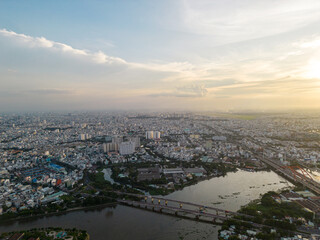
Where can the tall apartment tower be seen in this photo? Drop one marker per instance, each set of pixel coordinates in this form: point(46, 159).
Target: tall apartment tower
point(126, 148)
point(110, 147)
point(149, 134)
point(157, 135)
point(136, 140)
point(153, 135)
point(117, 139)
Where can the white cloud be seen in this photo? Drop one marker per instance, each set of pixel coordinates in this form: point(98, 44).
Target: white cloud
point(99, 57)
point(233, 21)
point(313, 42)
point(95, 74)
point(49, 91)
point(41, 42)
point(186, 72)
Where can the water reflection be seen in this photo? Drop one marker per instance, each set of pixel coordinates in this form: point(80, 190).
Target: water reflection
point(121, 222)
point(109, 214)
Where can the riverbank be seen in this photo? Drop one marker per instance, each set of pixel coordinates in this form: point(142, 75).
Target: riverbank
point(108, 223)
point(285, 213)
point(48, 234)
point(58, 213)
point(3, 218)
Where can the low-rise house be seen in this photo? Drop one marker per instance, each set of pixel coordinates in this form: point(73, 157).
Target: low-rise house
point(290, 196)
point(198, 172)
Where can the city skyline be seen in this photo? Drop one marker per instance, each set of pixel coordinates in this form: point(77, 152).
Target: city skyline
point(181, 55)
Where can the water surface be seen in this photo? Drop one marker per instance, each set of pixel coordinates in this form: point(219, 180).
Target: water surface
point(122, 223)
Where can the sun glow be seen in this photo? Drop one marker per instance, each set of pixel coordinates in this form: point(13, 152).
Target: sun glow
point(313, 69)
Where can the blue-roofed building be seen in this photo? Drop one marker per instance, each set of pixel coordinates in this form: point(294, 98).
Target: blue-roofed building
point(56, 167)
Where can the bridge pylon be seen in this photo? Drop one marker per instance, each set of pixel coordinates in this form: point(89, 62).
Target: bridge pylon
point(303, 174)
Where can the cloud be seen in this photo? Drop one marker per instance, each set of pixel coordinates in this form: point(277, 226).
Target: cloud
point(218, 83)
point(49, 91)
point(270, 88)
point(38, 92)
point(196, 90)
point(10, 70)
point(101, 57)
point(313, 42)
point(45, 71)
point(192, 91)
point(178, 70)
point(98, 57)
point(234, 21)
point(41, 42)
point(208, 72)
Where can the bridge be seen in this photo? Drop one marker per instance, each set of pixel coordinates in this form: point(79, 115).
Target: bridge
point(293, 175)
point(188, 210)
point(185, 209)
point(290, 173)
point(166, 202)
point(299, 172)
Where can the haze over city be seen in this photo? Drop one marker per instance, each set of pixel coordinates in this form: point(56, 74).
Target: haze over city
point(171, 119)
point(159, 55)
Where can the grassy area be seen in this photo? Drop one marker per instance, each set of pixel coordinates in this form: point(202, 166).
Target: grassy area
point(269, 209)
point(99, 182)
point(285, 217)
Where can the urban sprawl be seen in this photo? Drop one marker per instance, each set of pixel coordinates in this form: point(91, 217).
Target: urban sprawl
point(51, 162)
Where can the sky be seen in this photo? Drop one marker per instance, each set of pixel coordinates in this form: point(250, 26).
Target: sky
point(203, 55)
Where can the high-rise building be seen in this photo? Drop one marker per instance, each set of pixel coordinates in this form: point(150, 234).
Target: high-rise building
point(157, 135)
point(104, 146)
point(108, 139)
point(149, 134)
point(136, 140)
point(153, 135)
point(117, 139)
point(126, 148)
point(110, 147)
point(219, 138)
point(83, 137)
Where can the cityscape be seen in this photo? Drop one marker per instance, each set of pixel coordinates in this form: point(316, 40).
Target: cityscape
point(162, 120)
point(61, 162)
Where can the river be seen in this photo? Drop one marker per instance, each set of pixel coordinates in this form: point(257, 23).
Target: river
point(229, 192)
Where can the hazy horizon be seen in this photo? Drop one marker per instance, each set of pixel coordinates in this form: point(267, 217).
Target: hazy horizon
point(160, 56)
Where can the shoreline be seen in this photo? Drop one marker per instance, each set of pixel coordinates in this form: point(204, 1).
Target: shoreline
point(52, 230)
point(58, 213)
point(18, 218)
